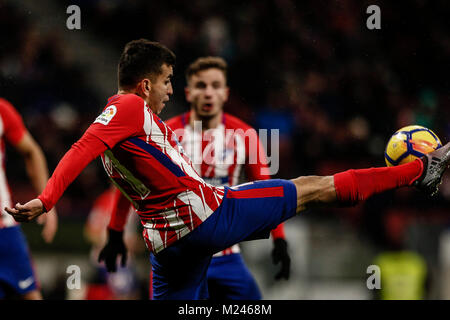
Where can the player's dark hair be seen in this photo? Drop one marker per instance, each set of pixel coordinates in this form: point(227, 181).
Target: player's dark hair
point(205, 63)
point(142, 58)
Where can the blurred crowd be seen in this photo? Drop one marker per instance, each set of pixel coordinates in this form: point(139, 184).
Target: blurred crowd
point(312, 69)
point(47, 86)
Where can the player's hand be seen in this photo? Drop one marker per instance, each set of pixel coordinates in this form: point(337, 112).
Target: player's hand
point(280, 254)
point(26, 212)
point(112, 249)
point(50, 222)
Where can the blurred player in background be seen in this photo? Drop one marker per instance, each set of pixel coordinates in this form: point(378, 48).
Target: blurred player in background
point(17, 277)
point(185, 219)
point(207, 92)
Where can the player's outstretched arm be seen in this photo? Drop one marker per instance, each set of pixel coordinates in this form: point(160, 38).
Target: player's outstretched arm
point(74, 161)
point(28, 211)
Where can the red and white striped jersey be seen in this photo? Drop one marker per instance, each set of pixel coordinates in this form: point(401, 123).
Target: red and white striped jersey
point(12, 130)
point(221, 154)
point(147, 163)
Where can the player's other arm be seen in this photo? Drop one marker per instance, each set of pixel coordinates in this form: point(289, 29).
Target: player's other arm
point(115, 245)
point(256, 168)
point(120, 212)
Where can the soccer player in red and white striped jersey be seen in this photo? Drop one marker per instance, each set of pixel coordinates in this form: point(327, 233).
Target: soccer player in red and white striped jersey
point(185, 219)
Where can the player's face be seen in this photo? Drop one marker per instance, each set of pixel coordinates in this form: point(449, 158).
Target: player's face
point(161, 89)
point(207, 92)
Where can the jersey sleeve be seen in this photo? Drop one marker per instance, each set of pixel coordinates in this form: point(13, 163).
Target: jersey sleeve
point(256, 161)
point(174, 123)
point(120, 120)
point(13, 127)
point(69, 167)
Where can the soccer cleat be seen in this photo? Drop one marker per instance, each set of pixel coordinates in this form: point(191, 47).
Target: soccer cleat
point(434, 164)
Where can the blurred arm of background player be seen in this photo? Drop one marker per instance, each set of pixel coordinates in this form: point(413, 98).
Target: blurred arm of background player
point(115, 245)
point(37, 171)
point(260, 171)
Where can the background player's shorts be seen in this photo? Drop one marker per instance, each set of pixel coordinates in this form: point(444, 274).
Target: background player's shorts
point(248, 211)
point(16, 273)
point(229, 279)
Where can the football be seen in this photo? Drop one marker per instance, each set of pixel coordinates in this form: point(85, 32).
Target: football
point(410, 143)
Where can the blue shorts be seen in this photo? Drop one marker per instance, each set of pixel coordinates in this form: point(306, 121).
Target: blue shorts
point(229, 279)
point(16, 273)
point(248, 212)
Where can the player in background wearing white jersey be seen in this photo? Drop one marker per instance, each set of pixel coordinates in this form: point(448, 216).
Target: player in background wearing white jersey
point(207, 92)
point(17, 278)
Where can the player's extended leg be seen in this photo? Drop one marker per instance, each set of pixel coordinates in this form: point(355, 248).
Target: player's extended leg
point(314, 191)
point(251, 210)
point(352, 186)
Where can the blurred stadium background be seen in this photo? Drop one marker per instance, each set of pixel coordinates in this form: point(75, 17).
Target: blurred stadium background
point(335, 89)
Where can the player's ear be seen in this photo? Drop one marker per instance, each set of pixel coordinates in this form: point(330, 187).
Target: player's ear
point(147, 85)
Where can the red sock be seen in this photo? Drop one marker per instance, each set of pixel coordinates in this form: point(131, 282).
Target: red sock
point(353, 186)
